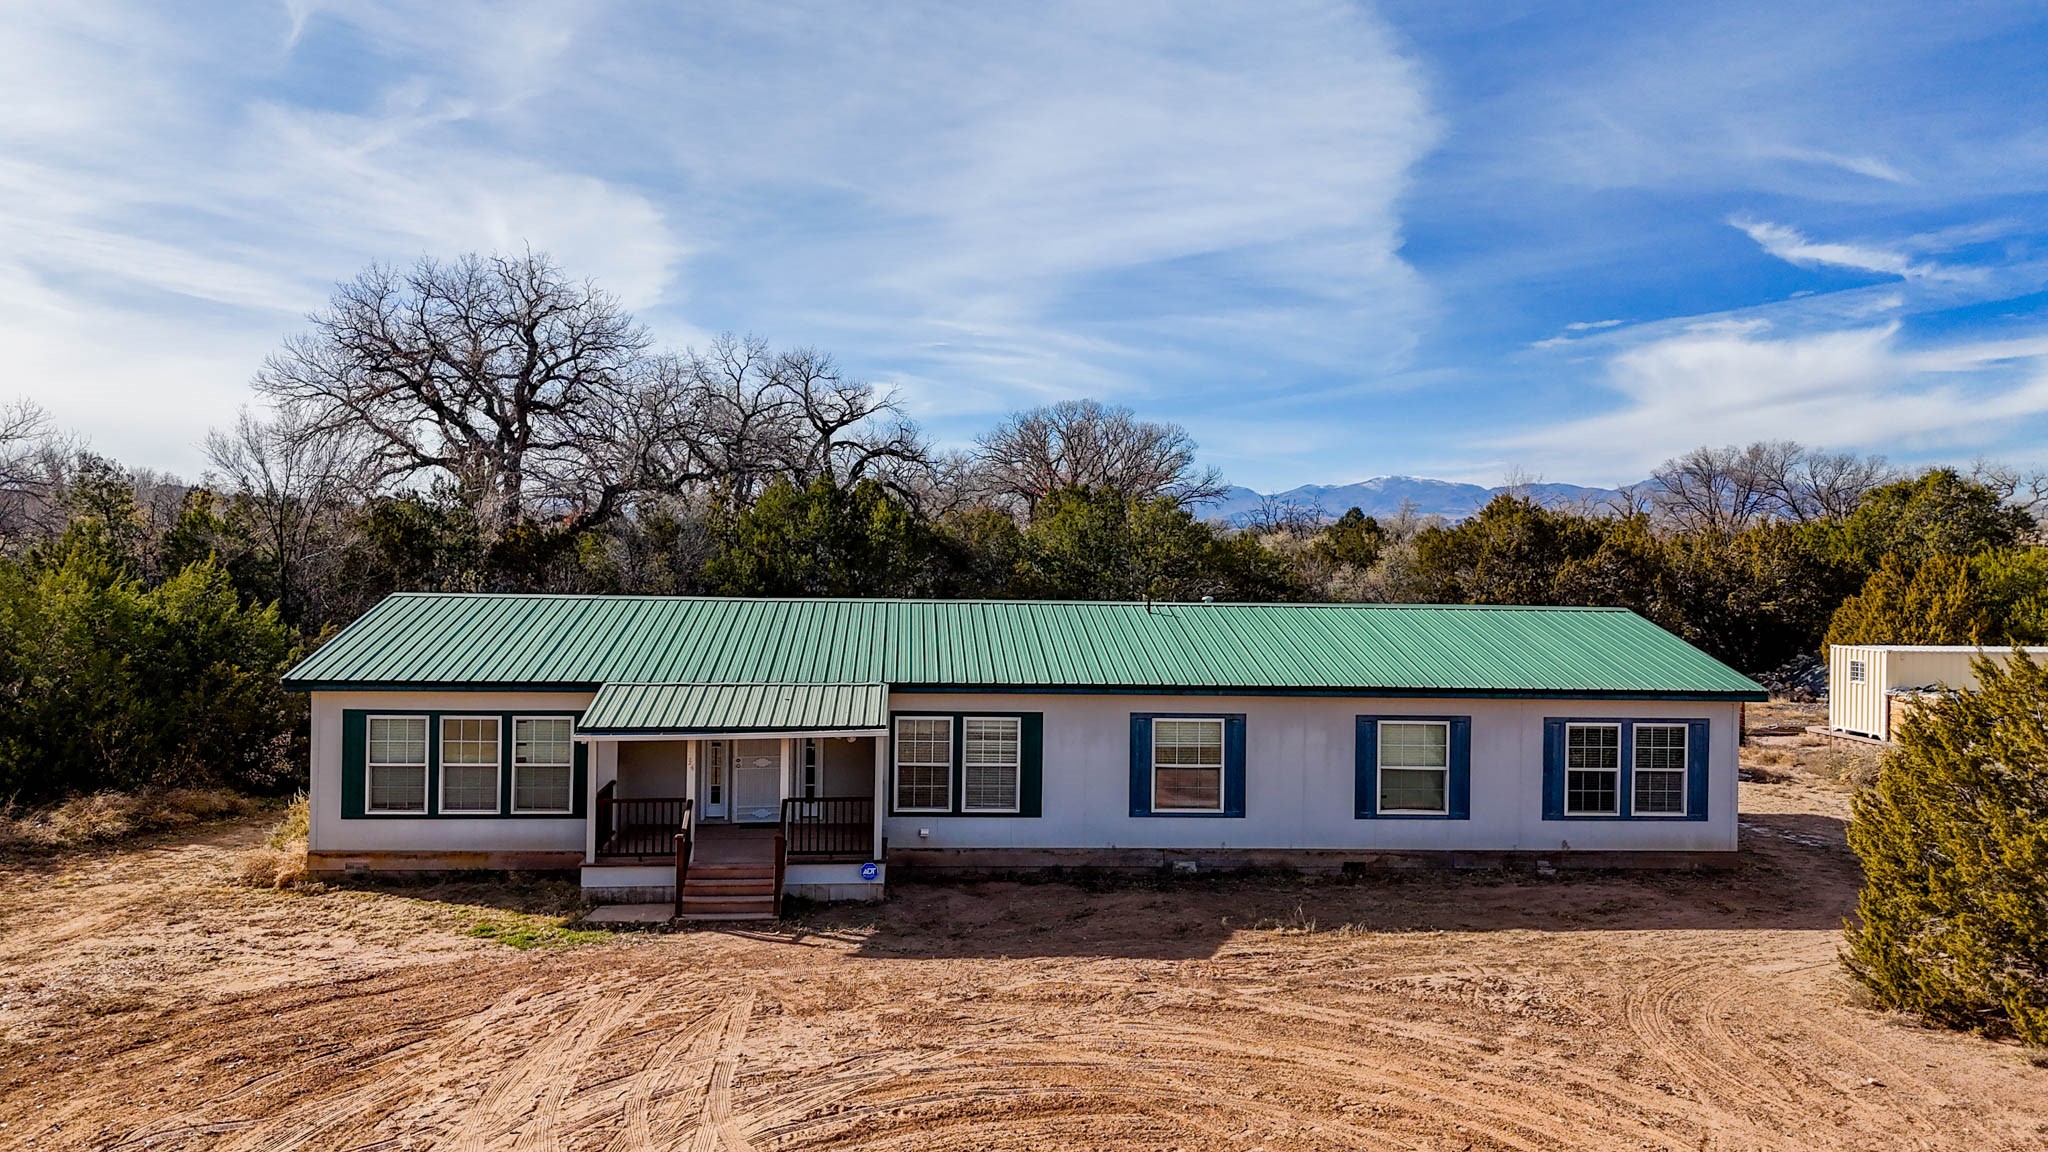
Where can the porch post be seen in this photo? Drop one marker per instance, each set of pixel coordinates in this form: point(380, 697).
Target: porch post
point(593, 762)
point(881, 790)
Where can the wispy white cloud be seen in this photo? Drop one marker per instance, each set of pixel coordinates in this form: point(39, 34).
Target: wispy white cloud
point(984, 206)
point(1737, 380)
point(1795, 247)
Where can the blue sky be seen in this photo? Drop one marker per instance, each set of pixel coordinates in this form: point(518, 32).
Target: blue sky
point(1335, 240)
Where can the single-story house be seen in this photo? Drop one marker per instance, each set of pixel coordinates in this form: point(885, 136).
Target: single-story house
point(827, 742)
point(1872, 686)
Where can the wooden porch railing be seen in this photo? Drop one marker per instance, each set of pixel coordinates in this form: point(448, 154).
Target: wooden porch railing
point(841, 827)
point(683, 851)
point(638, 826)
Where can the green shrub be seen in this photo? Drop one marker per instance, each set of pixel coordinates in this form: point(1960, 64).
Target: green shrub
point(107, 683)
point(1952, 923)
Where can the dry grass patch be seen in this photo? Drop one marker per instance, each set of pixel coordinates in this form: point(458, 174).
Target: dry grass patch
point(280, 861)
point(107, 817)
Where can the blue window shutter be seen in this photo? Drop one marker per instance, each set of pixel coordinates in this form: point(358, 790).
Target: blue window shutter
point(1141, 765)
point(1553, 769)
point(1459, 805)
point(1031, 772)
point(354, 754)
point(1696, 770)
point(1365, 797)
point(1233, 765)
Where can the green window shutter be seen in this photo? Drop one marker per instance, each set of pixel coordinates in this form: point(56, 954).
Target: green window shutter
point(579, 780)
point(1141, 765)
point(354, 754)
point(1031, 785)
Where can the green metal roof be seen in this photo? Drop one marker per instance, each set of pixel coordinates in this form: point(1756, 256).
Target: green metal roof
point(628, 709)
point(461, 640)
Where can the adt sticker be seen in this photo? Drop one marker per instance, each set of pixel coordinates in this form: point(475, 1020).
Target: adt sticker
point(870, 870)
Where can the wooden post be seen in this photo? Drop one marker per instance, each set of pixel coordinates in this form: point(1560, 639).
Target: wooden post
point(781, 860)
point(682, 861)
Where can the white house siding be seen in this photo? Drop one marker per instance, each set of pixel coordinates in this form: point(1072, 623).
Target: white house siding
point(1299, 779)
point(331, 836)
point(650, 768)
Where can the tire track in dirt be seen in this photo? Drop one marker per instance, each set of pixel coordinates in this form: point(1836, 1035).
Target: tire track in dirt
point(717, 1127)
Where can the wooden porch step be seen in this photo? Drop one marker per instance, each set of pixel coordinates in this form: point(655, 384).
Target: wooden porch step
point(729, 915)
point(732, 872)
point(722, 887)
point(760, 908)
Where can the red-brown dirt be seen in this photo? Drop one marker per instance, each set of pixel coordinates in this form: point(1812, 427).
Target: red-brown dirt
point(146, 1001)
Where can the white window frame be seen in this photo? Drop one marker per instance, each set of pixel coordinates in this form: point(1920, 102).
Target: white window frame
point(810, 768)
point(441, 762)
point(1684, 771)
point(896, 764)
point(1016, 766)
point(1222, 765)
point(516, 766)
point(1859, 671)
point(1567, 769)
point(370, 766)
point(1380, 764)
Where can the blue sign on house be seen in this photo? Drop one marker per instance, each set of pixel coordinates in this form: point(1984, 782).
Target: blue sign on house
point(870, 870)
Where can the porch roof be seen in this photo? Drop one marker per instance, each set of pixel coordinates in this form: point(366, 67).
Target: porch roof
point(729, 709)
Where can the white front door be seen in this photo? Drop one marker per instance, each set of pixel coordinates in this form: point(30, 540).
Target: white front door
point(757, 781)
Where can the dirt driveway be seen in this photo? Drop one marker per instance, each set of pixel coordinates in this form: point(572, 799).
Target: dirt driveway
point(146, 1002)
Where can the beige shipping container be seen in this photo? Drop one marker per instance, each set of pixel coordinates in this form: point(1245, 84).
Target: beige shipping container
point(1862, 678)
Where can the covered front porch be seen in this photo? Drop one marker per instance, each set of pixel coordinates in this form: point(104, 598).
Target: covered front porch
point(723, 797)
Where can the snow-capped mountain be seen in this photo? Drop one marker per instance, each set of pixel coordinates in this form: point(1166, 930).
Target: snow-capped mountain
point(1385, 495)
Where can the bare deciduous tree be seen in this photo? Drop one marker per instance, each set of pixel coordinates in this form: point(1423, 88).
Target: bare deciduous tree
point(32, 464)
point(1084, 443)
point(297, 488)
point(1830, 484)
point(2026, 490)
point(500, 374)
point(749, 415)
point(1728, 489)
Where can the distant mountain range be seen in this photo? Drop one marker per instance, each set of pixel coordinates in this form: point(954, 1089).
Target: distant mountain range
point(1386, 495)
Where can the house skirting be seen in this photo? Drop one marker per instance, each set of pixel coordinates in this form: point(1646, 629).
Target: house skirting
point(342, 863)
point(938, 863)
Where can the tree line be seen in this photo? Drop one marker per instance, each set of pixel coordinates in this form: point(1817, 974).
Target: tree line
point(489, 423)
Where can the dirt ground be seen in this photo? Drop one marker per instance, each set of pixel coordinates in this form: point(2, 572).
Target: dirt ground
point(147, 1002)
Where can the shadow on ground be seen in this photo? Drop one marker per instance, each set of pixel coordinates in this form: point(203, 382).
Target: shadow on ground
point(1793, 874)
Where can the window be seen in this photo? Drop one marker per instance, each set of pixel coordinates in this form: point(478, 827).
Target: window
point(993, 758)
point(715, 754)
point(924, 763)
point(1592, 769)
point(1659, 770)
point(469, 764)
point(1414, 766)
point(543, 764)
point(1857, 671)
point(811, 753)
point(1187, 765)
point(397, 767)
